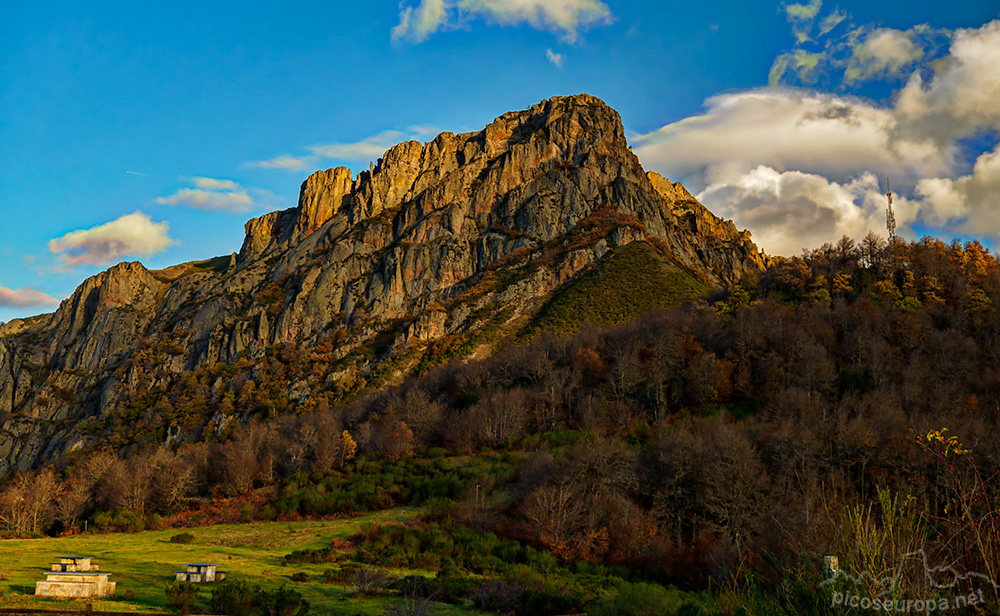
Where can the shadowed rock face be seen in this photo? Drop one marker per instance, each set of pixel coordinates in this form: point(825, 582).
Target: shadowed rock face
point(436, 238)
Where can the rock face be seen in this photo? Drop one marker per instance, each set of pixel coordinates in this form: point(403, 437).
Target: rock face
point(436, 239)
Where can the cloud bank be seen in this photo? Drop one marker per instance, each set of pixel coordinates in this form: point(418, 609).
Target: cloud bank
point(800, 167)
point(133, 234)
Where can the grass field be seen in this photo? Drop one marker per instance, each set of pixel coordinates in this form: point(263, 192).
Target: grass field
point(143, 563)
point(632, 280)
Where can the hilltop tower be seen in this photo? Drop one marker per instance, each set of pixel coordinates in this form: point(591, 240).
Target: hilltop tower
point(890, 216)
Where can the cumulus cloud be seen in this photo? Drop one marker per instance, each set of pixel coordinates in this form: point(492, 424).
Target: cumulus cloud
point(798, 167)
point(566, 18)
point(962, 96)
point(969, 202)
point(131, 234)
point(790, 211)
point(212, 194)
point(25, 298)
point(882, 51)
point(554, 58)
point(834, 136)
point(367, 149)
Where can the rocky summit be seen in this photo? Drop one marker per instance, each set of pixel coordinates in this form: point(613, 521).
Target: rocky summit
point(440, 249)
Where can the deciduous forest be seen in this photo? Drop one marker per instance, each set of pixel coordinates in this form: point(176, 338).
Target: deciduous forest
point(845, 402)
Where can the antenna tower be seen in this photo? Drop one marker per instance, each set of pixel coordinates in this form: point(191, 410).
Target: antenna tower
point(890, 216)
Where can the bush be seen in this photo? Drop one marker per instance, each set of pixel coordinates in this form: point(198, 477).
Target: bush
point(370, 580)
point(182, 538)
point(320, 555)
point(154, 521)
point(300, 577)
point(497, 596)
point(646, 600)
point(181, 596)
point(244, 599)
point(282, 602)
point(234, 598)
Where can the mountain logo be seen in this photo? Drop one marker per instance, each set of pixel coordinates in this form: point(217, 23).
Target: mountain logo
point(942, 577)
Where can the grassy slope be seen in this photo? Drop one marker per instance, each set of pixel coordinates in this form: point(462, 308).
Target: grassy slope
point(632, 280)
point(143, 563)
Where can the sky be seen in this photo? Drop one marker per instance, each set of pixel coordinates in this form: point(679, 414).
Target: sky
point(153, 131)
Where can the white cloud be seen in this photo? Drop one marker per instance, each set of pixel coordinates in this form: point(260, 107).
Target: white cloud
point(968, 203)
point(25, 298)
point(831, 21)
point(418, 24)
point(213, 184)
point(131, 234)
point(565, 18)
point(367, 149)
point(962, 96)
point(788, 129)
point(214, 195)
point(798, 168)
point(285, 161)
point(803, 12)
point(802, 16)
point(883, 51)
point(789, 211)
point(554, 58)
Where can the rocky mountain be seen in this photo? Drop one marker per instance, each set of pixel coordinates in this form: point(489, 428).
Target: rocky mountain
point(439, 249)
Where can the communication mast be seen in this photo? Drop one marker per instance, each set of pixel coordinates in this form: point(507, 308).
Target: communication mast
point(890, 216)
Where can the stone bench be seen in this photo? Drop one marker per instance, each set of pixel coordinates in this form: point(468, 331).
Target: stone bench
point(75, 563)
point(200, 572)
point(75, 584)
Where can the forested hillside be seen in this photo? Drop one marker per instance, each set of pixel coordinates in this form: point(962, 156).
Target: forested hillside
point(844, 402)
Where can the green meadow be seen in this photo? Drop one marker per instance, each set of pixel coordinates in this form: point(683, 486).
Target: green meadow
point(144, 563)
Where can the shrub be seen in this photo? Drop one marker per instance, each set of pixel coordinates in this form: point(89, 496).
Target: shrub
point(646, 600)
point(182, 538)
point(414, 599)
point(234, 598)
point(300, 577)
point(497, 596)
point(321, 555)
point(181, 596)
point(243, 599)
point(370, 580)
point(282, 602)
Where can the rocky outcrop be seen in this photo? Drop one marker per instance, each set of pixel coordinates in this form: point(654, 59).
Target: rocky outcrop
point(436, 239)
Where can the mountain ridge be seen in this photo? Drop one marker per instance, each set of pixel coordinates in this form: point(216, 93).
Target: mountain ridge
point(448, 239)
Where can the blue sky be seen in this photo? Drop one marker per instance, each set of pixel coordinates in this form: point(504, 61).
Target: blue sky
point(154, 131)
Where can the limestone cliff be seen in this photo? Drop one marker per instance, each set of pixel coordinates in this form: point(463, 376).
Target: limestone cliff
point(438, 239)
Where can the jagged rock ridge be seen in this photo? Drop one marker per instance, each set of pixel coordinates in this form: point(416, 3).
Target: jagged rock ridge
point(435, 239)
